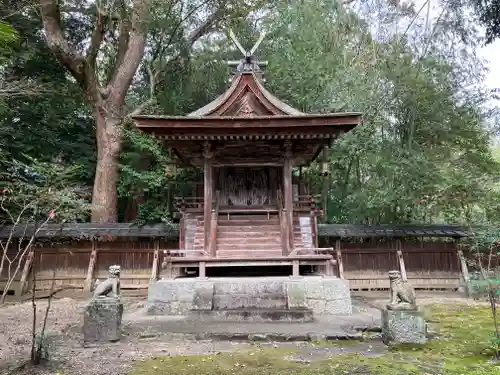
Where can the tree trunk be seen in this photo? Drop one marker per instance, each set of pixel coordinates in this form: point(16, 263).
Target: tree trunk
point(105, 194)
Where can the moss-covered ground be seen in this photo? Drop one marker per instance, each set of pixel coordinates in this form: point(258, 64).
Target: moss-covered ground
point(462, 346)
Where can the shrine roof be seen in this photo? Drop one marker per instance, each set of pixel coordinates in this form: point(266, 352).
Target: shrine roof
point(248, 111)
point(246, 104)
point(246, 94)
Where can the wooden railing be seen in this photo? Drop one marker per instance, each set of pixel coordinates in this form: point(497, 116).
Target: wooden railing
point(184, 203)
point(306, 202)
point(283, 224)
point(213, 225)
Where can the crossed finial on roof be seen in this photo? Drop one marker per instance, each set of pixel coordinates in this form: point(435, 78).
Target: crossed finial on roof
point(247, 64)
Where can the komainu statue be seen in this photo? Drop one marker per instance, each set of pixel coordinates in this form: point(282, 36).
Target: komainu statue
point(402, 293)
point(111, 286)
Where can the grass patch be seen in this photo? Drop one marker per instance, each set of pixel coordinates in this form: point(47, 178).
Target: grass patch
point(463, 347)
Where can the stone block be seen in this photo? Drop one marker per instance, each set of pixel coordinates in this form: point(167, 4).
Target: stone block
point(403, 327)
point(338, 307)
point(240, 301)
point(102, 320)
point(336, 289)
point(177, 297)
point(317, 306)
point(296, 294)
point(203, 296)
point(249, 285)
point(314, 288)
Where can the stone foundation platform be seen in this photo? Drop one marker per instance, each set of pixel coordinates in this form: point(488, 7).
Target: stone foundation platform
point(322, 295)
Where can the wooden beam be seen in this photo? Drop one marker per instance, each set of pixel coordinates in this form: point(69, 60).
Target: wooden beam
point(167, 265)
point(401, 261)
point(156, 255)
point(213, 234)
point(288, 193)
point(326, 179)
point(89, 279)
point(295, 268)
point(22, 288)
point(247, 164)
point(340, 263)
point(182, 231)
point(202, 270)
point(208, 194)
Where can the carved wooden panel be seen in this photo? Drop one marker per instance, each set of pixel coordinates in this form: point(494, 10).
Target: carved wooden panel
point(244, 186)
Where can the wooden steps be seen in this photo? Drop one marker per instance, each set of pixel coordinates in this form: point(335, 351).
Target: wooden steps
point(254, 236)
point(248, 236)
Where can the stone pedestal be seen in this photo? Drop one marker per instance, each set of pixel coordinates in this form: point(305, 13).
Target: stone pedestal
point(403, 327)
point(322, 295)
point(102, 320)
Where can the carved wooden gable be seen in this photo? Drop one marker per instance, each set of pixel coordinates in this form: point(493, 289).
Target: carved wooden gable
point(246, 97)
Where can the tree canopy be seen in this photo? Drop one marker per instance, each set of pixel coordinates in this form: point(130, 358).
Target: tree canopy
point(423, 153)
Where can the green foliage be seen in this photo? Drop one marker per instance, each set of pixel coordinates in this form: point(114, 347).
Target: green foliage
point(32, 193)
point(7, 33)
point(145, 177)
point(462, 348)
point(422, 154)
point(44, 347)
point(488, 12)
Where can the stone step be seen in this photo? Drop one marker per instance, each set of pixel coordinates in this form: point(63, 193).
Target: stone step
point(253, 315)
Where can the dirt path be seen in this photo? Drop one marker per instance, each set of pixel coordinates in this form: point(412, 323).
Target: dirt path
point(68, 356)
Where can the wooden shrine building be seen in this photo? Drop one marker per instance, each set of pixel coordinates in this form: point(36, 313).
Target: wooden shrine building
point(250, 211)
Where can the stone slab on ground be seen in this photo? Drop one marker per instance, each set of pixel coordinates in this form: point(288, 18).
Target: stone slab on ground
point(323, 295)
point(102, 320)
point(329, 327)
point(252, 315)
point(403, 327)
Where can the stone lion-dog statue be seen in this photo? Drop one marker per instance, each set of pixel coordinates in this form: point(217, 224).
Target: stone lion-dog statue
point(111, 286)
point(402, 293)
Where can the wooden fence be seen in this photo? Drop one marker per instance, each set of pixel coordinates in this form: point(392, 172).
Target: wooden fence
point(426, 264)
point(77, 264)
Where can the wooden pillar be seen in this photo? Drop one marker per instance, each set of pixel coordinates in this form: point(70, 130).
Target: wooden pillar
point(89, 279)
point(202, 273)
point(295, 268)
point(208, 193)
point(288, 192)
point(340, 263)
point(326, 179)
point(156, 255)
point(463, 267)
point(402, 267)
point(182, 232)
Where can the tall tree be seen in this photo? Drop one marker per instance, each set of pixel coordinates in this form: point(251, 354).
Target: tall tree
point(488, 12)
point(105, 60)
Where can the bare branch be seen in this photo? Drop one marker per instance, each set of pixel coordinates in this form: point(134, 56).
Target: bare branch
point(134, 53)
point(123, 38)
point(192, 38)
point(51, 18)
point(206, 25)
point(97, 38)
